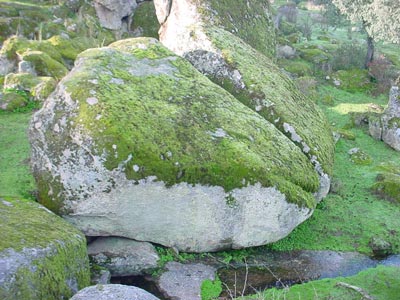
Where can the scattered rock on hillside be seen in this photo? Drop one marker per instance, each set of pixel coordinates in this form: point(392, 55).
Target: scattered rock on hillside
point(113, 291)
point(112, 13)
point(137, 143)
point(386, 126)
point(41, 255)
point(123, 257)
point(183, 281)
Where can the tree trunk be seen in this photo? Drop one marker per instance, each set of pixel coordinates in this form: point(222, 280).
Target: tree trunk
point(370, 51)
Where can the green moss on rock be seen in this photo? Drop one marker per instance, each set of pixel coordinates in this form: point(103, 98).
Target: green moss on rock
point(11, 101)
point(388, 184)
point(46, 257)
point(144, 20)
point(44, 65)
point(274, 96)
point(158, 116)
point(252, 23)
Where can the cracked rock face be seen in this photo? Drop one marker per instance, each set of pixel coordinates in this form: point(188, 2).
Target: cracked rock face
point(136, 143)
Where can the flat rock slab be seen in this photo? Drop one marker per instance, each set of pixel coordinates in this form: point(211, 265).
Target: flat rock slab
point(183, 281)
point(123, 257)
point(113, 291)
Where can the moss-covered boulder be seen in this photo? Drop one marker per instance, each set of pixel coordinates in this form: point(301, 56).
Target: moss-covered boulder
point(41, 255)
point(144, 20)
point(387, 183)
point(12, 100)
point(200, 32)
point(135, 142)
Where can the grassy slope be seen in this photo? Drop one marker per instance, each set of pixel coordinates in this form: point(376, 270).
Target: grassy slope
point(15, 177)
point(346, 221)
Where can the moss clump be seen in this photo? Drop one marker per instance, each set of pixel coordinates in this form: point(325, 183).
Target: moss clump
point(359, 157)
point(12, 100)
point(21, 81)
point(70, 48)
point(315, 55)
point(210, 289)
point(387, 185)
point(44, 65)
point(297, 67)
point(145, 21)
point(354, 80)
point(346, 134)
point(57, 267)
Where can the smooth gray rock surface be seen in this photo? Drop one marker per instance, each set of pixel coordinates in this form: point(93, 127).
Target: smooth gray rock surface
point(183, 281)
point(112, 12)
point(123, 257)
point(113, 291)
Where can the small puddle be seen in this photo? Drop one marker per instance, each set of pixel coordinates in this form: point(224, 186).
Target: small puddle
point(278, 269)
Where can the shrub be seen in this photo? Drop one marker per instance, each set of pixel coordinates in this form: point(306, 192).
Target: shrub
point(382, 71)
point(349, 56)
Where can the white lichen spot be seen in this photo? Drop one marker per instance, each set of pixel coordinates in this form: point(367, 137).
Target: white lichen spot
point(117, 81)
point(169, 153)
point(114, 147)
point(56, 128)
point(136, 168)
point(92, 101)
point(258, 107)
point(38, 125)
point(177, 163)
point(277, 120)
point(67, 153)
point(141, 46)
point(98, 117)
point(293, 134)
point(218, 133)
point(92, 92)
point(94, 81)
point(306, 148)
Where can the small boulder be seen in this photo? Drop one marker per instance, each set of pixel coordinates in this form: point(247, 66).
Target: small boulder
point(386, 126)
point(12, 100)
point(41, 255)
point(380, 247)
point(123, 257)
point(112, 12)
point(113, 291)
point(286, 52)
point(183, 281)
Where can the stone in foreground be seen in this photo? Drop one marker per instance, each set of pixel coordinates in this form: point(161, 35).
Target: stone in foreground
point(183, 281)
point(41, 255)
point(113, 291)
point(136, 143)
point(123, 257)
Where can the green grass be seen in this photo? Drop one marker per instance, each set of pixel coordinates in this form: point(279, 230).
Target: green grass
point(15, 176)
point(347, 220)
point(381, 283)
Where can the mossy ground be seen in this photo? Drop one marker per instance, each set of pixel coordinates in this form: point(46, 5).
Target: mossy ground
point(15, 176)
point(347, 219)
point(381, 283)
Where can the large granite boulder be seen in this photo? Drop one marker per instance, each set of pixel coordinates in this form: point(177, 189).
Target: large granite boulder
point(386, 126)
point(200, 32)
point(113, 291)
point(136, 143)
point(41, 255)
